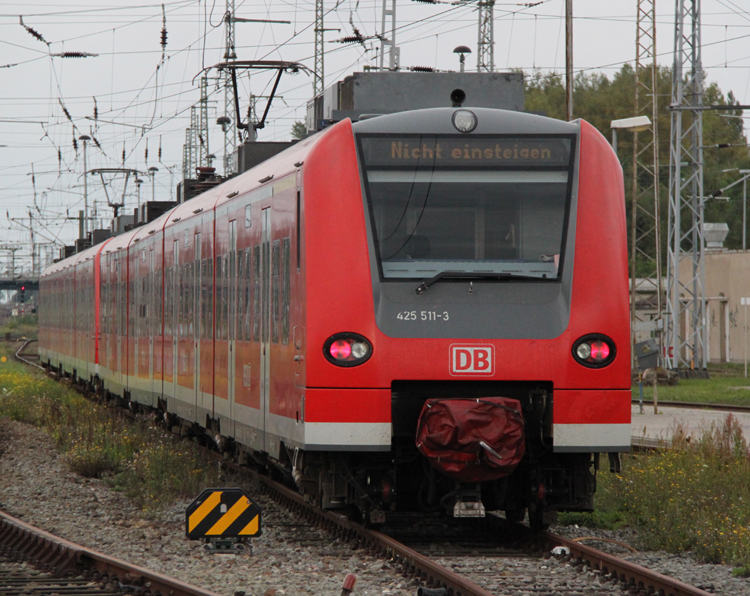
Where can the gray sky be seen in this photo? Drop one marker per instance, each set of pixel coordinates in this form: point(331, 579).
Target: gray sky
point(142, 99)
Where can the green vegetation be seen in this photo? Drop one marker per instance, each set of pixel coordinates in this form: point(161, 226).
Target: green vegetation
point(727, 385)
point(599, 100)
point(149, 465)
point(26, 326)
point(694, 497)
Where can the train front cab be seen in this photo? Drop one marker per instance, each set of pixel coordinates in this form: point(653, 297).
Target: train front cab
point(524, 217)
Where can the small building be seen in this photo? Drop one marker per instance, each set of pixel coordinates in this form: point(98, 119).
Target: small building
point(727, 279)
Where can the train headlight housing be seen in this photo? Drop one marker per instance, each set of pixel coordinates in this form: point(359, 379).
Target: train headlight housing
point(347, 349)
point(464, 120)
point(594, 350)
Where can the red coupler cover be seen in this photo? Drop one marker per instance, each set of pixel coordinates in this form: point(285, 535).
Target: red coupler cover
point(472, 439)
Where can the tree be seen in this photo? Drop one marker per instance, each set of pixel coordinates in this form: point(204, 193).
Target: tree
point(599, 100)
point(299, 130)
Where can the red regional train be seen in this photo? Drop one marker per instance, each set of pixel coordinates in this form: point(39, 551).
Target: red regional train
point(419, 311)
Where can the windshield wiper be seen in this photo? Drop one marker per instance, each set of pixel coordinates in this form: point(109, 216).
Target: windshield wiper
point(471, 275)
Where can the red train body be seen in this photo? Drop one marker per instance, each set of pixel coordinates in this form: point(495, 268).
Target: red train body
point(303, 312)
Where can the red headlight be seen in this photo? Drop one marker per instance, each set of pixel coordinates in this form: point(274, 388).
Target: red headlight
point(347, 349)
point(594, 350)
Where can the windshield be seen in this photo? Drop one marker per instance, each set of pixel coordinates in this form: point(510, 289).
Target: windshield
point(470, 205)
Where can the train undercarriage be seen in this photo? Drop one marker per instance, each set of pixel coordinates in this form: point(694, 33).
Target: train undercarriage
point(373, 484)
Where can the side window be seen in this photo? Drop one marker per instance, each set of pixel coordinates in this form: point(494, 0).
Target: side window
point(285, 283)
point(240, 329)
point(246, 290)
point(210, 301)
point(275, 290)
point(256, 293)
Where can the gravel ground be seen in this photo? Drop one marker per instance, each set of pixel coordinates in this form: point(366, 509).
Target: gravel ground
point(287, 559)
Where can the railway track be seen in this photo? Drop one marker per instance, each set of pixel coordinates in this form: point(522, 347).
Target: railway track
point(418, 565)
point(73, 569)
point(628, 576)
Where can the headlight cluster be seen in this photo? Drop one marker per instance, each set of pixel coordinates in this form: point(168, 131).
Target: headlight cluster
point(594, 350)
point(347, 349)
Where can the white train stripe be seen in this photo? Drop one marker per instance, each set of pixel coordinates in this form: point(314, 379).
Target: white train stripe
point(347, 435)
point(608, 437)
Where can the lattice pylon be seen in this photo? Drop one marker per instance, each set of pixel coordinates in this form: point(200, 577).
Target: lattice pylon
point(687, 331)
point(646, 297)
point(319, 64)
point(486, 36)
point(230, 136)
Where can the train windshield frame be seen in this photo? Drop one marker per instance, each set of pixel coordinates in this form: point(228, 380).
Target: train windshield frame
point(497, 206)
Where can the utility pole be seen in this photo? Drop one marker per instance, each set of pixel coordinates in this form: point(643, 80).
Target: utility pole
point(85, 139)
point(569, 59)
point(486, 36)
point(33, 245)
point(203, 124)
point(645, 241)
point(687, 332)
point(394, 53)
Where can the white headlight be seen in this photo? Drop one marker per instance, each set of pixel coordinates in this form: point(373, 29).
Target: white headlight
point(359, 349)
point(464, 120)
point(584, 351)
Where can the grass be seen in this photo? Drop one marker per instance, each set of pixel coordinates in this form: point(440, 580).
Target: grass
point(149, 465)
point(727, 385)
point(26, 326)
point(695, 497)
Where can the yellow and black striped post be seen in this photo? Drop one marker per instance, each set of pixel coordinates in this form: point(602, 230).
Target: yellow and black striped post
point(222, 513)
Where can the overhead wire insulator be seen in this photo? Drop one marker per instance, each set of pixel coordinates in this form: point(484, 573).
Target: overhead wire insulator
point(75, 142)
point(163, 30)
point(96, 110)
point(123, 153)
point(74, 55)
point(33, 32)
point(160, 148)
point(65, 110)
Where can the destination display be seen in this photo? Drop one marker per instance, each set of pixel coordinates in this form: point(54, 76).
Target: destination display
point(425, 151)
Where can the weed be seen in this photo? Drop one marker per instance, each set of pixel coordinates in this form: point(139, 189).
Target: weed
point(149, 465)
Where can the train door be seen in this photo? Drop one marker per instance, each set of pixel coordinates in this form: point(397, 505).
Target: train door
point(232, 322)
point(137, 314)
point(153, 328)
point(265, 317)
point(120, 327)
point(197, 311)
point(175, 314)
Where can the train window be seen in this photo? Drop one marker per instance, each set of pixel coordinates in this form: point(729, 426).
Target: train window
point(299, 226)
point(240, 330)
point(488, 205)
point(210, 300)
point(275, 283)
point(246, 289)
point(256, 293)
point(224, 296)
point(285, 268)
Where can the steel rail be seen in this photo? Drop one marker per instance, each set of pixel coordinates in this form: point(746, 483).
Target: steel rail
point(632, 574)
point(414, 563)
point(24, 360)
point(62, 556)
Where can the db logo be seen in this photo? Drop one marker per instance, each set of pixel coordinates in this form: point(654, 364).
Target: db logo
point(472, 360)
